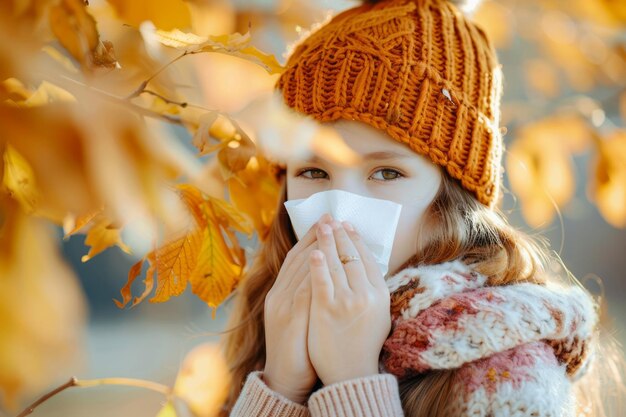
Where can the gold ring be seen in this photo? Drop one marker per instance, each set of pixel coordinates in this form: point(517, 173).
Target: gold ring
point(345, 258)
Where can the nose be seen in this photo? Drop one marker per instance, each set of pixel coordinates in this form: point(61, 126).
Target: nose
point(348, 184)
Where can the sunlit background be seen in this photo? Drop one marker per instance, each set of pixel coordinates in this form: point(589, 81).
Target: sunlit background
point(563, 114)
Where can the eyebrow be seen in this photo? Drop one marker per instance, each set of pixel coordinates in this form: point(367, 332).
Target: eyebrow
point(380, 156)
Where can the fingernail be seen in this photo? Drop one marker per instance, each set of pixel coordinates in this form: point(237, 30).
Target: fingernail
point(335, 224)
point(325, 229)
point(348, 227)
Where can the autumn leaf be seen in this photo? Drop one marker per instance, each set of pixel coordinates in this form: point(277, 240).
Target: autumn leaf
point(42, 307)
point(168, 410)
point(165, 14)
point(203, 380)
point(46, 93)
point(19, 180)
point(540, 166)
point(101, 236)
point(607, 174)
point(76, 30)
point(234, 44)
point(281, 133)
point(255, 192)
point(72, 224)
point(201, 255)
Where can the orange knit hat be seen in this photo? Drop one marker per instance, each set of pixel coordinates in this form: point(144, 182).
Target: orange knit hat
point(419, 70)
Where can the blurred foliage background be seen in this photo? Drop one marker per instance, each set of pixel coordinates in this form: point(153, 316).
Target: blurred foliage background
point(131, 168)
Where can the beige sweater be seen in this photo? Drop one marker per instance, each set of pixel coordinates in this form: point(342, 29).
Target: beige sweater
point(371, 396)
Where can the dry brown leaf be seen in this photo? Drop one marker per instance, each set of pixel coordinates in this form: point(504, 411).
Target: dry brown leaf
point(76, 30)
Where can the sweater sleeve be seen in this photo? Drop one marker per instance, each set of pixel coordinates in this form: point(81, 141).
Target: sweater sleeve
point(370, 396)
point(258, 400)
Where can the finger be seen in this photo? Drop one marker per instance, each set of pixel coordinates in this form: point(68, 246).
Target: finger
point(322, 289)
point(356, 275)
point(295, 256)
point(300, 273)
point(290, 272)
point(327, 245)
point(302, 296)
point(374, 274)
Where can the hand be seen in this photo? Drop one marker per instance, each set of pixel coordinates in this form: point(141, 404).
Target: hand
point(288, 369)
point(350, 317)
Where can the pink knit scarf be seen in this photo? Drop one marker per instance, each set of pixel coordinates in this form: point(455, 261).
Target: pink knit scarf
point(444, 316)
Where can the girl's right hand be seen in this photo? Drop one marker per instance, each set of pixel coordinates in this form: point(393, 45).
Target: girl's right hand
point(288, 369)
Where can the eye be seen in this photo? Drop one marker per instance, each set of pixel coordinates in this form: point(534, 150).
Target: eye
point(312, 170)
point(394, 175)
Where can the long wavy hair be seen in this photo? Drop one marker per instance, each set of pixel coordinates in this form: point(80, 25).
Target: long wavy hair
point(455, 225)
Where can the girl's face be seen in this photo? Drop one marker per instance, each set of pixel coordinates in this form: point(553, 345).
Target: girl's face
point(399, 175)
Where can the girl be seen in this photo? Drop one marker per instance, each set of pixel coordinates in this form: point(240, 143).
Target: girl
point(469, 321)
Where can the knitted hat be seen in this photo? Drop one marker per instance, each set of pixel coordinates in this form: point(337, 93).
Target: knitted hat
point(419, 70)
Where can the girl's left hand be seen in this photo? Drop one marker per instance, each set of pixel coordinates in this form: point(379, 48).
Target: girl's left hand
point(350, 317)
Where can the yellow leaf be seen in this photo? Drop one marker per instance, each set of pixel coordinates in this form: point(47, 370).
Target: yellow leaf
point(234, 44)
point(42, 309)
point(216, 274)
point(498, 21)
point(255, 192)
point(540, 170)
point(203, 380)
point(607, 179)
point(227, 215)
point(165, 14)
point(542, 77)
point(101, 236)
point(200, 255)
point(14, 90)
point(72, 224)
point(174, 263)
point(168, 410)
point(176, 38)
point(19, 180)
point(46, 93)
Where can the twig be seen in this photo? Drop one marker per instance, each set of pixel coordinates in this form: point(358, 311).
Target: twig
point(182, 104)
point(73, 382)
point(123, 102)
point(144, 84)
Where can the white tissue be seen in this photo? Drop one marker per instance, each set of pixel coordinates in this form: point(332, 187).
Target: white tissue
point(375, 219)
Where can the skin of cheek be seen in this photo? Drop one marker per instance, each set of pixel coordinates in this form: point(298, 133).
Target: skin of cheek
point(411, 216)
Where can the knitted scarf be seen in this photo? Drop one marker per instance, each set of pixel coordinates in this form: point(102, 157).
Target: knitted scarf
point(516, 348)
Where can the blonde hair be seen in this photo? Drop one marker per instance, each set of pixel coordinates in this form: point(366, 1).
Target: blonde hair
point(455, 225)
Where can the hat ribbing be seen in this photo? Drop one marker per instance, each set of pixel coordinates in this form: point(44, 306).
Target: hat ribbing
point(419, 70)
